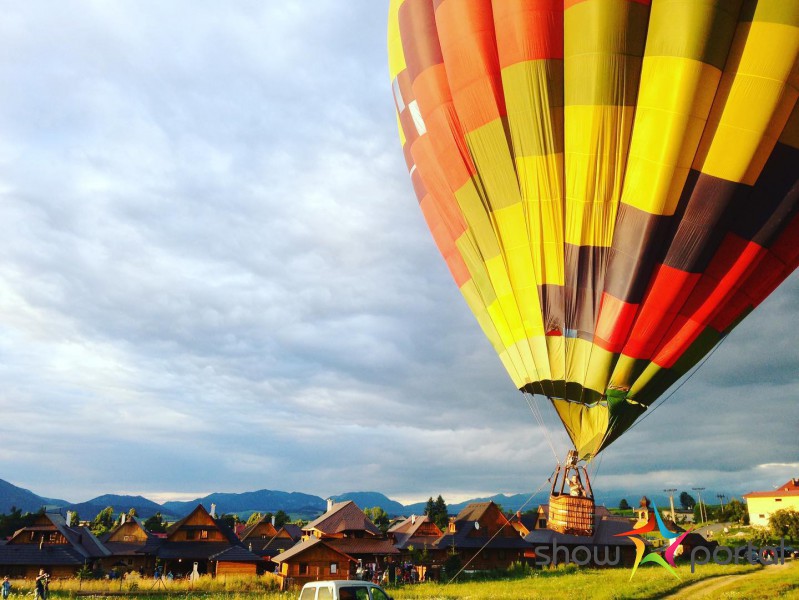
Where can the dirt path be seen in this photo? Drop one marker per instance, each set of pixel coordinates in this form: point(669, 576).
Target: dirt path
point(707, 588)
point(710, 588)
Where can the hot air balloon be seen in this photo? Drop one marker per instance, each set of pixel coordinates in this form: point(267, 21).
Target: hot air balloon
point(612, 183)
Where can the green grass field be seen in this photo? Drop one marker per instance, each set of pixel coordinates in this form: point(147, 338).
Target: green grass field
point(567, 583)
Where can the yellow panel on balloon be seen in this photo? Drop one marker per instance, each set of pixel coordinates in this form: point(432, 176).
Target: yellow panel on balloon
point(675, 98)
point(752, 105)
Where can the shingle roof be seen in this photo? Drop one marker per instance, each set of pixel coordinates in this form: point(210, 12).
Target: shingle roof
point(48, 555)
point(372, 546)
point(462, 539)
point(206, 551)
point(298, 549)
point(343, 516)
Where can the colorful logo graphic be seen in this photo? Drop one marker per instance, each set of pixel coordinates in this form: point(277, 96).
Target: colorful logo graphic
point(674, 539)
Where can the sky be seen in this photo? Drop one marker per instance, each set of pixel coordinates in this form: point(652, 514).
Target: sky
point(214, 276)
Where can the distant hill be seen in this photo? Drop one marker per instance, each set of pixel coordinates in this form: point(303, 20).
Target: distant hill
point(25, 500)
point(366, 500)
point(144, 508)
point(293, 503)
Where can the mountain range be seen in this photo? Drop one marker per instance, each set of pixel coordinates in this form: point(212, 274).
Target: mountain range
point(298, 505)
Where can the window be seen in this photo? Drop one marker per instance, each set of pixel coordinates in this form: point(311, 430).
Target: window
point(190, 534)
point(204, 534)
point(324, 594)
point(333, 568)
point(777, 499)
point(378, 595)
point(303, 568)
point(353, 593)
point(127, 538)
point(308, 593)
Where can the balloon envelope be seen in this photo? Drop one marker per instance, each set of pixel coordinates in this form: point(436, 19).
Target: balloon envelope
point(612, 183)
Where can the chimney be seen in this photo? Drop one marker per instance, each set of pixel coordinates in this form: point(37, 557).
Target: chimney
point(413, 519)
point(213, 511)
point(69, 518)
point(273, 520)
point(329, 504)
point(122, 518)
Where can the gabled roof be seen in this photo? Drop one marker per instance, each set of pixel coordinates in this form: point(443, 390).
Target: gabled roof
point(298, 549)
point(467, 524)
point(788, 489)
point(127, 548)
point(475, 511)
point(293, 530)
point(219, 524)
point(262, 526)
point(343, 517)
point(81, 545)
point(406, 533)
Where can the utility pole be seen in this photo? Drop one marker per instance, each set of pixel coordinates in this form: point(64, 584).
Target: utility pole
point(702, 511)
point(721, 499)
point(670, 492)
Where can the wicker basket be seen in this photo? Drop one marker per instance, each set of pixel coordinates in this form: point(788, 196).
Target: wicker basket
point(573, 515)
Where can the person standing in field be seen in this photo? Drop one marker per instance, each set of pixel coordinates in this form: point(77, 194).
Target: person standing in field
point(41, 585)
point(6, 587)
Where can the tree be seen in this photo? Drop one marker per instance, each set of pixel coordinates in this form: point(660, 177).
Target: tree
point(430, 508)
point(785, 523)
point(254, 518)
point(623, 504)
point(155, 523)
point(698, 514)
point(103, 521)
point(687, 501)
point(735, 512)
point(379, 517)
point(281, 518)
point(230, 519)
point(74, 521)
point(132, 513)
point(441, 516)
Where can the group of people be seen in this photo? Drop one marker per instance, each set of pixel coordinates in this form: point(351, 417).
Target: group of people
point(42, 581)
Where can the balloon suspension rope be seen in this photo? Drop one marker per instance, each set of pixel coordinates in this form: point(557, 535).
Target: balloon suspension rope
point(539, 417)
point(491, 539)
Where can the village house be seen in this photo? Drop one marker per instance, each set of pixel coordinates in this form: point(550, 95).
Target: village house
point(348, 537)
point(206, 543)
point(761, 505)
point(263, 539)
point(132, 547)
point(52, 545)
point(482, 538)
point(313, 559)
point(414, 537)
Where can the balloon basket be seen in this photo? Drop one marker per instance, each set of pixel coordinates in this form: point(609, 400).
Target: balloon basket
point(571, 511)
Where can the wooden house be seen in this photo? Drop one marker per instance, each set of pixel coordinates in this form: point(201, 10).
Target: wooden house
point(345, 529)
point(263, 539)
point(342, 519)
point(482, 538)
point(313, 559)
point(202, 539)
point(132, 547)
point(414, 538)
point(52, 545)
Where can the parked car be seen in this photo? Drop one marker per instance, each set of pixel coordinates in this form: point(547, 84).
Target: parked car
point(343, 590)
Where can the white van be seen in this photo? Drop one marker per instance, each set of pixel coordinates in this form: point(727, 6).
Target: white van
point(343, 590)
